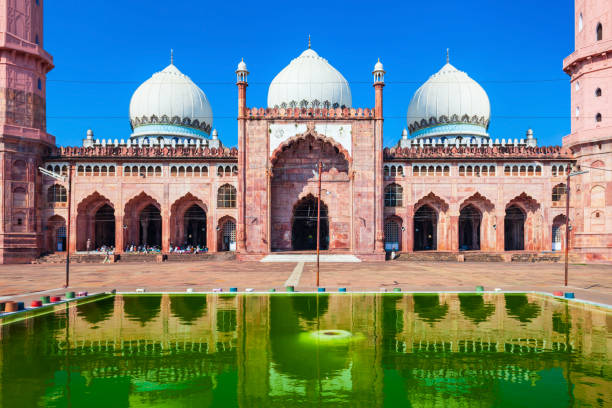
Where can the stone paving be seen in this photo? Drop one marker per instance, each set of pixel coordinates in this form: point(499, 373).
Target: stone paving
point(591, 282)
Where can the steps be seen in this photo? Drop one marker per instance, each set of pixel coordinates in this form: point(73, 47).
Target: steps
point(60, 258)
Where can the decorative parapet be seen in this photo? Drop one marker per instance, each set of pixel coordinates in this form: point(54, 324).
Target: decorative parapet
point(178, 152)
point(475, 152)
point(309, 113)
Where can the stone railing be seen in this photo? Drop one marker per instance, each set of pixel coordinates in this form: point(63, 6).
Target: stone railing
point(309, 113)
point(64, 152)
point(489, 151)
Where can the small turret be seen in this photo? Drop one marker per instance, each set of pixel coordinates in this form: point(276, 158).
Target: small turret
point(89, 140)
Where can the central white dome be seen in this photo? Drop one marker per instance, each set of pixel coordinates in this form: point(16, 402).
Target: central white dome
point(170, 104)
point(309, 81)
point(449, 103)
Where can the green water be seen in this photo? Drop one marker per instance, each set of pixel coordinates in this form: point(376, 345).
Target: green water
point(357, 350)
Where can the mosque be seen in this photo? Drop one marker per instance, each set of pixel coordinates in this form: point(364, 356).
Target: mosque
point(448, 188)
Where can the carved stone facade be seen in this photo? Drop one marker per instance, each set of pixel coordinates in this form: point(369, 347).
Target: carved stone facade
point(422, 195)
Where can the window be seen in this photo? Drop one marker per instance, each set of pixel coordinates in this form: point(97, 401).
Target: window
point(598, 117)
point(580, 22)
point(599, 32)
point(577, 111)
point(226, 196)
point(598, 92)
point(220, 171)
point(39, 84)
point(235, 171)
point(57, 194)
point(36, 40)
point(386, 171)
point(19, 197)
point(559, 192)
point(393, 195)
point(577, 85)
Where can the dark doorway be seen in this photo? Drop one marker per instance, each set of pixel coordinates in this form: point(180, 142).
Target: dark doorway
point(150, 226)
point(514, 229)
point(425, 227)
point(304, 225)
point(104, 227)
point(470, 219)
point(195, 226)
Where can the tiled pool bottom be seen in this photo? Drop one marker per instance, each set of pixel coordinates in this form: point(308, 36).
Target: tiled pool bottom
point(488, 350)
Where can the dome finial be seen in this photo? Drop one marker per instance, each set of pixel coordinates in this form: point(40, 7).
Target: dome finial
point(171, 56)
point(308, 41)
point(447, 55)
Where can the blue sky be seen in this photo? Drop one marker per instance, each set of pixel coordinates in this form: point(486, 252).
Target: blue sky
point(104, 50)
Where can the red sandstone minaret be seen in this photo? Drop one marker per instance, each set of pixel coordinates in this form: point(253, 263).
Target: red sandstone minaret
point(590, 69)
point(241, 81)
point(23, 131)
point(379, 83)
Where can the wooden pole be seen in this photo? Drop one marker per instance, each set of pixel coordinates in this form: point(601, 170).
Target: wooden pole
point(68, 225)
point(567, 224)
point(318, 222)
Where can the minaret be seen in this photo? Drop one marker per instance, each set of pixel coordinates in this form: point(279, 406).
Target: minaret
point(23, 132)
point(241, 81)
point(590, 69)
point(379, 83)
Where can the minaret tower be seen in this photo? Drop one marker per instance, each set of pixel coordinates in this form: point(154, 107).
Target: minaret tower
point(379, 83)
point(590, 69)
point(23, 131)
point(241, 81)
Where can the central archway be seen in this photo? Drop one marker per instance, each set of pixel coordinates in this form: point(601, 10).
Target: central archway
point(104, 226)
point(195, 226)
point(304, 225)
point(150, 223)
point(514, 229)
point(470, 219)
point(425, 229)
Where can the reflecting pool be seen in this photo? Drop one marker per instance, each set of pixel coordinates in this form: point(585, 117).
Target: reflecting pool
point(357, 350)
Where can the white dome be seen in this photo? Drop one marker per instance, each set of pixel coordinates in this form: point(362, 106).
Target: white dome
point(450, 102)
point(170, 104)
point(309, 81)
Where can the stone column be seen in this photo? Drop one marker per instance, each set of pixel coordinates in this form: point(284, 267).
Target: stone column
point(165, 214)
point(242, 171)
point(378, 168)
point(454, 229)
point(408, 233)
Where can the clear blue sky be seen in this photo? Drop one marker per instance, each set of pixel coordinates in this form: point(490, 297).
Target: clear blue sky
point(104, 50)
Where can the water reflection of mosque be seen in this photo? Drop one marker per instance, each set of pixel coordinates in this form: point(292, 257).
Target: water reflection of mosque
point(425, 346)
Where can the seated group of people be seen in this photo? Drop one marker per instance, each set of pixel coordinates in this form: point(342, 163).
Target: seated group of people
point(108, 249)
point(143, 249)
point(188, 249)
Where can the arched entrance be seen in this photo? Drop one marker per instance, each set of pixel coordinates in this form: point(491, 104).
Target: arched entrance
point(425, 229)
point(470, 219)
point(226, 237)
point(194, 222)
point(514, 229)
point(104, 227)
point(56, 234)
point(150, 223)
point(558, 233)
point(304, 225)
point(294, 176)
point(393, 234)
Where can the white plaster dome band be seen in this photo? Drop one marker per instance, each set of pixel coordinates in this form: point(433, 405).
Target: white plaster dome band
point(309, 81)
point(449, 103)
point(170, 104)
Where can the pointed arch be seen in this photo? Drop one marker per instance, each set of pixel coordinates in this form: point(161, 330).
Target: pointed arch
point(432, 200)
point(522, 224)
point(93, 227)
point(188, 221)
point(142, 221)
point(525, 201)
point(311, 135)
point(479, 201)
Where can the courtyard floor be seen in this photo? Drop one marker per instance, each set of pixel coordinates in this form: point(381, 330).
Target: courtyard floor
point(24, 282)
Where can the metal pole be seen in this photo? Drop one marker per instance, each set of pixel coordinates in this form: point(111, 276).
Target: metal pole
point(567, 228)
point(318, 222)
point(68, 225)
